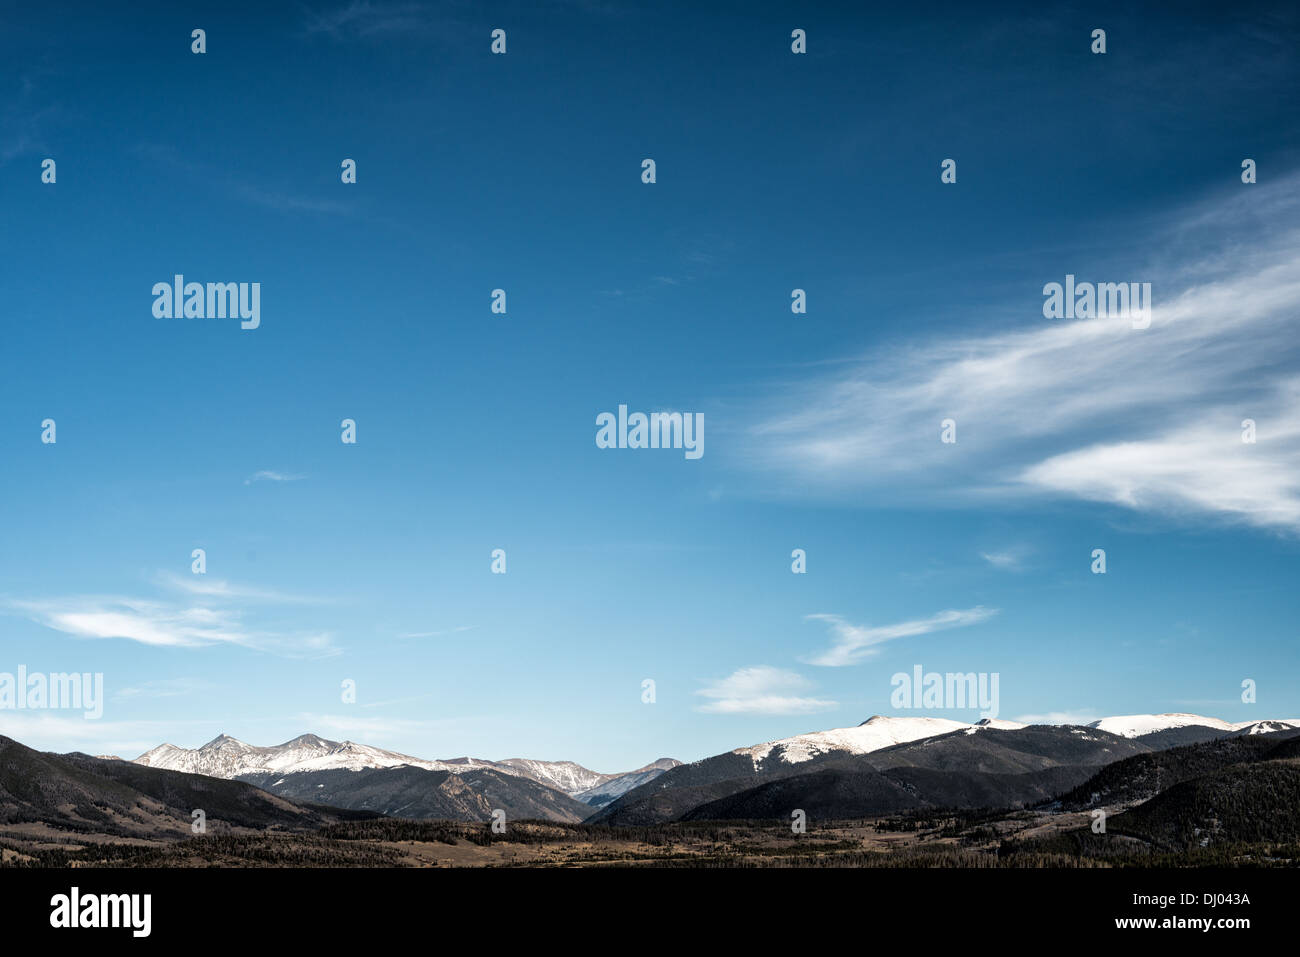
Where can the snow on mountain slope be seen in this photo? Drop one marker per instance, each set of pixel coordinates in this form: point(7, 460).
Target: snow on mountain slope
point(227, 757)
point(471, 764)
point(872, 735)
point(1267, 726)
point(999, 724)
point(883, 732)
point(620, 784)
point(1133, 725)
point(663, 764)
point(564, 776)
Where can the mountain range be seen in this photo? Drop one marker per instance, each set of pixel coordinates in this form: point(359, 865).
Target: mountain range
point(883, 766)
point(887, 764)
point(78, 793)
point(310, 767)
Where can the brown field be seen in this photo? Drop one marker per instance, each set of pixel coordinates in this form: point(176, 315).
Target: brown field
point(388, 843)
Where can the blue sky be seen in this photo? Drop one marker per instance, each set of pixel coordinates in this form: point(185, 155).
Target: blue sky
point(476, 431)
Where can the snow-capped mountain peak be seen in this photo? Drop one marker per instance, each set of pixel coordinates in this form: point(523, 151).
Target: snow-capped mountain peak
point(1000, 724)
point(1134, 725)
point(562, 775)
point(880, 731)
point(227, 757)
point(873, 734)
point(1267, 726)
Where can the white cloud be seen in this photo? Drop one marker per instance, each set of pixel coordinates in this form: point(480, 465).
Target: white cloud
point(266, 475)
point(1202, 468)
point(164, 688)
point(437, 634)
point(1007, 558)
point(206, 616)
point(149, 623)
point(388, 703)
point(761, 689)
point(852, 643)
point(219, 588)
point(1092, 409)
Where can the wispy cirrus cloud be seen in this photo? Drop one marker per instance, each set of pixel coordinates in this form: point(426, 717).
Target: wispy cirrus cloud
point(218, 588)
point(25, 119)
point(208, 613)
point(437, 634)
point(366, 19)
point(396, 19)
point(267, 475)
point(281, 199)
point(1093, 409)
point(1008, 559)
point(852, 643)
point(285, 201)
point(164, 688)
point(389, 702)
point(1203, 468)
point(146, 622)
point(761, 689)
